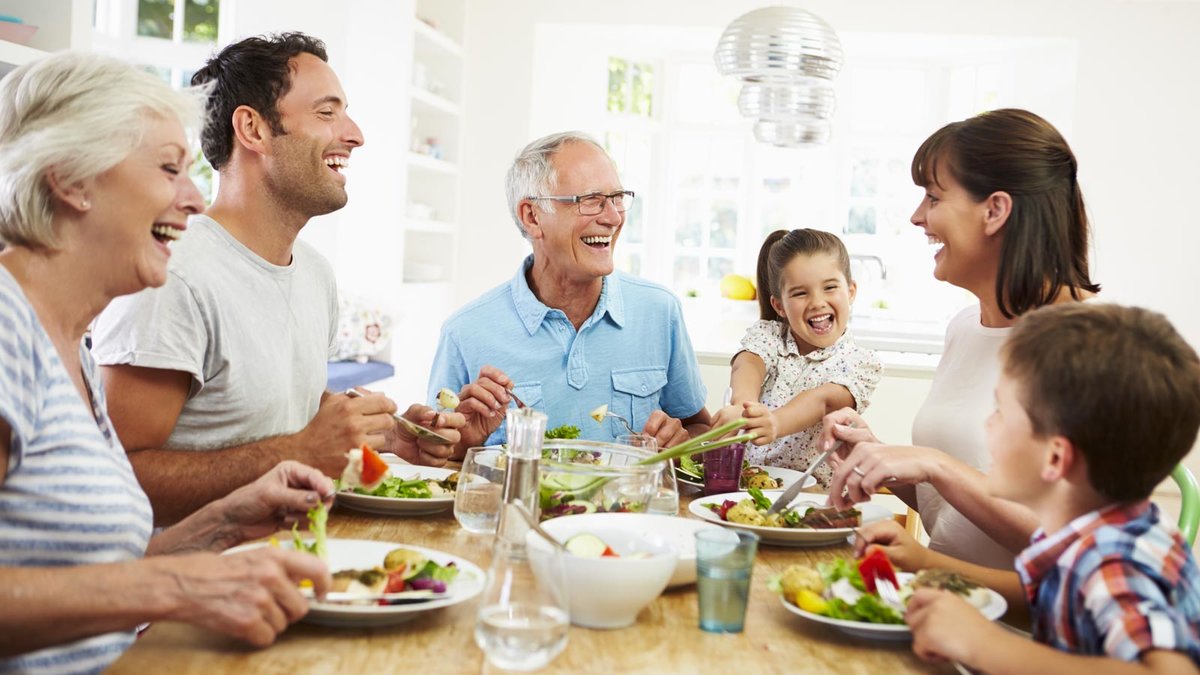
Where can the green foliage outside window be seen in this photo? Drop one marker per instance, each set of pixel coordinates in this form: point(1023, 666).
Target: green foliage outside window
point(156, 18)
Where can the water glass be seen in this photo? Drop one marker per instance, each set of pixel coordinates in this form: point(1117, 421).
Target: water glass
point(480, 490)
point(724, 563)
point(723, 469)
point(665, 499)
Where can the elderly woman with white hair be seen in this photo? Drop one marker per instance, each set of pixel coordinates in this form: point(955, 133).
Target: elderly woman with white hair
point(93, 187)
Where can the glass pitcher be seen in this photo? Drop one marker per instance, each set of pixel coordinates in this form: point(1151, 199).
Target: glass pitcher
point(522, 620)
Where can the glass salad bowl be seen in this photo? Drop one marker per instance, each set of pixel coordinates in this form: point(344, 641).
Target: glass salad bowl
point(578, 476)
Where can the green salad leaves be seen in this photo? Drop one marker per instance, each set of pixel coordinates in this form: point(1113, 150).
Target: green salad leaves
point(317, 517)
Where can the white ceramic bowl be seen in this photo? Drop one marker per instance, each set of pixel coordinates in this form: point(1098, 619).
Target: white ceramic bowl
point(609, 592)
point(678, 533)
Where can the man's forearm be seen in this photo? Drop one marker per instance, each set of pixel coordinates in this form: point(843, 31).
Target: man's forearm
point(180, 482)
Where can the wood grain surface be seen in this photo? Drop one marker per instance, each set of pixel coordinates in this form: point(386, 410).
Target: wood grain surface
point(665, 639)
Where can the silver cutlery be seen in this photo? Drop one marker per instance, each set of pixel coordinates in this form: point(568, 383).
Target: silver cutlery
point(520, 508)
point(337, 598)
point(790, 493)
point(628, 426)
point(412, 427)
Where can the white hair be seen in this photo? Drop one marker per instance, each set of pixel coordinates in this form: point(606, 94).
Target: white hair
point(532, 174)
point(76, 114)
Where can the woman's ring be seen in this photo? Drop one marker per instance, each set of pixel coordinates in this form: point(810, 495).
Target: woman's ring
point(859, 471)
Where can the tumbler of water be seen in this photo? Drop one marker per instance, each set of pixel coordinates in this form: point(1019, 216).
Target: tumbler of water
point(665, 499)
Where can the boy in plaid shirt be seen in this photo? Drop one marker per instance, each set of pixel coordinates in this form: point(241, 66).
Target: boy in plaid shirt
point(1095, 405)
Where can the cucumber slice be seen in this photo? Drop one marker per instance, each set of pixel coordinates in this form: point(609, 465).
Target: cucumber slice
point(586, 546)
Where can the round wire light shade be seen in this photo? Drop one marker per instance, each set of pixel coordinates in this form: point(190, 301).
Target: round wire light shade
point(779, 44)
point(788, 57)
point(790, 133)
point(786, 101)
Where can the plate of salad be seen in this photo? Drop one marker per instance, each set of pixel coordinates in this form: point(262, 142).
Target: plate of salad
point(765, 478)
point(406, 490)
point(803, 523)
point(361, 567)
point(842, 593)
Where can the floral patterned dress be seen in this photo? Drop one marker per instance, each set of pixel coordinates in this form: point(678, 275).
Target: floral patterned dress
point(789, 372)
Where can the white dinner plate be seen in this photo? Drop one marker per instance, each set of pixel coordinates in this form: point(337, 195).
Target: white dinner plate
point(363, 554)
point(786, 477)
point(390, 506)
point(994, 609)
point(784, 536)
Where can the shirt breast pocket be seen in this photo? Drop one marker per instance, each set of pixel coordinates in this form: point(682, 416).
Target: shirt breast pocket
point(636, 395)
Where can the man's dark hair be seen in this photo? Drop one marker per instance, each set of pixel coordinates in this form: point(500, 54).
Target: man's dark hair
point(254, 72)
point(1119, 382)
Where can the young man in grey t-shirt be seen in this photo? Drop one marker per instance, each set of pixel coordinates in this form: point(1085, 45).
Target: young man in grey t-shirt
point(214, 378)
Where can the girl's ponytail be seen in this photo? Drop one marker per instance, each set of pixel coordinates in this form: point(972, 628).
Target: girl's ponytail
point(763, 276)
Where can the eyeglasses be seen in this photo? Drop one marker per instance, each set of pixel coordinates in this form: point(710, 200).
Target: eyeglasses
point(593, 204)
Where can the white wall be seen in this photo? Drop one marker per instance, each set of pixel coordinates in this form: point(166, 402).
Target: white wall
point(1133, 132)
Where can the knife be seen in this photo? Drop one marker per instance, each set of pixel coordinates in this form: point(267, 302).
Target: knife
point(336, 598)
point(790, 493)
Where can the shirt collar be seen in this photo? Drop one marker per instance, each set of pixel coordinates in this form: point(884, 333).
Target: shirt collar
point(533, 312)
point(1045, 550)
point(789, 347)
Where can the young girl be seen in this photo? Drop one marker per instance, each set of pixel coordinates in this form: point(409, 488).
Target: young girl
point(798, 362)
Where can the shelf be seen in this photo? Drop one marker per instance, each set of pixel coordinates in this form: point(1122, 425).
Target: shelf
point(438, 39)
point(431, 164)
point(432, 226)
point(432, 101)
point(13, 55)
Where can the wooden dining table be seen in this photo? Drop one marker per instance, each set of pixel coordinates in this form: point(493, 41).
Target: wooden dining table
point(665, 639)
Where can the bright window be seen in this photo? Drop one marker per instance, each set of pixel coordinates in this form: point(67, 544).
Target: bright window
point(708, 193)
point(170, 38)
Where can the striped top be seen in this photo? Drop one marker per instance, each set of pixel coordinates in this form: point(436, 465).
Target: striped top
point(70, 496)
point(1115, 582)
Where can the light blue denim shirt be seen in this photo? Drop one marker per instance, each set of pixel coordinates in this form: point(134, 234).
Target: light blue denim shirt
point(632, 353)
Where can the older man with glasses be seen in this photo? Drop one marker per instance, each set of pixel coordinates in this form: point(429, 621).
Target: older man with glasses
point(568, 333)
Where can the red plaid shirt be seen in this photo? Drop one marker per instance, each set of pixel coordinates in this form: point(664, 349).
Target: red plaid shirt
point(1114, 581)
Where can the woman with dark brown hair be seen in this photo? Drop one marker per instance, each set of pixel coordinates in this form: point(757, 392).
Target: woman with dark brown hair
point(1003, 205)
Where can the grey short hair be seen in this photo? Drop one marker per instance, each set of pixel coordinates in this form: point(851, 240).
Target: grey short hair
point(532, 173)
point(78, 114)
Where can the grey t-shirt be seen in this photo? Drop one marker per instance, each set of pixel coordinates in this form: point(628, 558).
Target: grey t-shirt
point(254, 336)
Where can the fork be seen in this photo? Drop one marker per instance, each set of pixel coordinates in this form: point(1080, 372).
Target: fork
point(889, 594)
point(516, 399)
point(628, 426)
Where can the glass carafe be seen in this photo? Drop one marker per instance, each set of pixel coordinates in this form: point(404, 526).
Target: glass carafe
point(522, 621)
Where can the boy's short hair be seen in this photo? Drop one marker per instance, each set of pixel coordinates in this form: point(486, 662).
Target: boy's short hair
point(1119, 382)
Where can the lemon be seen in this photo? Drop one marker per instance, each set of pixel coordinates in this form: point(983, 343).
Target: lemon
point(737, 287)
point(810, 601)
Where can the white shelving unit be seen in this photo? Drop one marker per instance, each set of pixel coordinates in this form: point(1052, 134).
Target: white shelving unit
point(435, 144)
point(431, 194)
point(62, 24)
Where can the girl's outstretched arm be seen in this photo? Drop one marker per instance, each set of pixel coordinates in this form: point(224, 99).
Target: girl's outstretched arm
point(746, 377)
